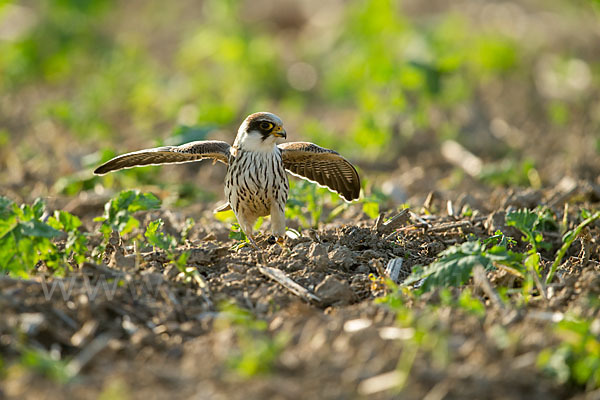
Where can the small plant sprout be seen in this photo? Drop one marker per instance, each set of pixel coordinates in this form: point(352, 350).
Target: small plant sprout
point(46, 364)
point(118, 214)
point(118, 211)
point(236, 233)
point(577, 358)
point(418, 333)
point(568, 239)
point(76, 244)
point(187, 228)
point(256, 349)
point(158, 239)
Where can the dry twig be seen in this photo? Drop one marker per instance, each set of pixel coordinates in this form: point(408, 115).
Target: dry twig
point(281, 278)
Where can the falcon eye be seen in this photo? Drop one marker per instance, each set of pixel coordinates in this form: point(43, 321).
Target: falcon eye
point(266, 126)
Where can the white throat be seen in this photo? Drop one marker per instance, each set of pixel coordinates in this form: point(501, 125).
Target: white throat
point(253, 141)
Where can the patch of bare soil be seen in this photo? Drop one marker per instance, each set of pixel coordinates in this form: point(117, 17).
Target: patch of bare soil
point(135, 326)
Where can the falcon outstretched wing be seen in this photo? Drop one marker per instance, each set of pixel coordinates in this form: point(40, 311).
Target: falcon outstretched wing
point(323, 166)
point(193, 151)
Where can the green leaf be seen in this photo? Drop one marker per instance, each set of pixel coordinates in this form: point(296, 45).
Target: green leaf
point(453, 268)
point(128, 225)
point(6, 207)
point(117, 212)
point(65, 221)
point(153, 227)
point(187, 228)
point(236, 232)
point(501, 255)
point(499, 240)
point(7, 225)
point(585, 214)
point(130, 201)
point(38, 229)
point(524, 220)
point(371, 209)
point(46, 365)
point(38, 208)
point(577, 357)
point(144, 201)
point(470, 303)
point(181, 261)
point(529, 222)
point(157, 238)
point(7, 252)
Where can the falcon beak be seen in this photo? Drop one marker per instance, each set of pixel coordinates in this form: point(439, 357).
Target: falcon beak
point(279, 132)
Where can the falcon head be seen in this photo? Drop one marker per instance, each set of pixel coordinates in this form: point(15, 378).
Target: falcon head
point(260, 131)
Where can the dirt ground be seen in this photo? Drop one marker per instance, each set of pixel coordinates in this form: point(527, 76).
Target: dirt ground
point(159, 333)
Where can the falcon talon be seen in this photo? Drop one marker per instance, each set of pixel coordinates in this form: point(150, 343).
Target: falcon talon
point(280, 240)
point(253, 243)
point(241, 244)
point(256, 183)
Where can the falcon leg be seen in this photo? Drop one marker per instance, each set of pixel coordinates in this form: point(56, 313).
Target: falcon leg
point(246, 227)
point(252, 242)
point(277, 224)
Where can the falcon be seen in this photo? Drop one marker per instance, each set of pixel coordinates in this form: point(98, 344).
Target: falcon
point(256, 183)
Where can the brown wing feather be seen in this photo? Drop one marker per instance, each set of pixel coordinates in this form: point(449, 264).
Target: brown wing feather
point(323, 166)
point(193, 151)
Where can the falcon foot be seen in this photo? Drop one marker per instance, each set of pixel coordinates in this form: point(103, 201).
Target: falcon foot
point(253, 243)
point(275, 239)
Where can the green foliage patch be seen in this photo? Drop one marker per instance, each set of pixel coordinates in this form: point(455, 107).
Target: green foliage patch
point(257, 349)
point(118, 211)
point(157, 238)
point(577, 358)
point(455, 265)
point(25, 239)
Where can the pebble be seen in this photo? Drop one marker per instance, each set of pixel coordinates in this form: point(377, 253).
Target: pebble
point(334, 291)
point(318, 255)
point(342, 256)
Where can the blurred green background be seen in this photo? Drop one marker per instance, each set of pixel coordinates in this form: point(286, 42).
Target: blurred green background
point(386, 83)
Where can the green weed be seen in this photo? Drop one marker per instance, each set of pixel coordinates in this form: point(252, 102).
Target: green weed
point(118, 215)
point(531, 222)
point(25, 239)
point(256, 349)
point(305, 202)
point(46, 364)
point(455, 265)
point(420, 333)
point(168, 243)
point(465, 301)
point(187, 228)
point(236, 233)
point(157, 238)
point(577, 358)
point(118, 211)
point(568, 239)
point(76, 244)
point(511, 172)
